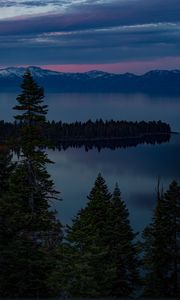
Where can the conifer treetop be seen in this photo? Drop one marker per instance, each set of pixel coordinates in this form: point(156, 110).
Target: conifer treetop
point(116, 193)
point(100, 188)
point(30, 100)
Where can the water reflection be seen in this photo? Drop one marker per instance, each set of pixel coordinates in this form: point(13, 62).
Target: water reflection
point(135, 169)
point(112, 143)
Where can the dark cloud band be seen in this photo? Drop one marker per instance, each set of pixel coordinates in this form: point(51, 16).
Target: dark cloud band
point(93, 32)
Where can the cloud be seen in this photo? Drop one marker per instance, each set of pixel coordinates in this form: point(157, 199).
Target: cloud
point(23, 8)
point(87, 31)
point(101, 13)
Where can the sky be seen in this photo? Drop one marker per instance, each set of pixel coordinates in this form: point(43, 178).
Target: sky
point(79, 35)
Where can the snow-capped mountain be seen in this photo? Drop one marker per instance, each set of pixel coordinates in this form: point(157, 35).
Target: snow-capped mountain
point(153, 82)
point(19, 72)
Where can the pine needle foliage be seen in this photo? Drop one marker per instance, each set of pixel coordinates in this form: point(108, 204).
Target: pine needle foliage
point(30, 232)
point(161, 246)
point(105, 258)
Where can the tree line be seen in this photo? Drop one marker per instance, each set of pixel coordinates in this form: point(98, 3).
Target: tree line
point(108, 134)
point(98, 134)
point(121, 133)
point(99, 254)
point(104, 129)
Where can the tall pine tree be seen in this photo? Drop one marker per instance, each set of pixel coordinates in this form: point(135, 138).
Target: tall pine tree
point(87, 236)
point(105, 257)
point(30, 226)
point(123, 249)
point(161, 246)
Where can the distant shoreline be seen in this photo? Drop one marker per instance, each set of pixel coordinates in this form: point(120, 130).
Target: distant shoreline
point(98, 134)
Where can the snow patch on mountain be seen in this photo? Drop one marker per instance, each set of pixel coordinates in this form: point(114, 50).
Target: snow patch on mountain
point(19, 72)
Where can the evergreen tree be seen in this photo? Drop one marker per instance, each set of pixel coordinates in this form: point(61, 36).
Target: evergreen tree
point(123, 249)
point(87, 235)
point(30, 233)
point(32, 115)
point(104, 260)
point(161, 246)
point(32, 139)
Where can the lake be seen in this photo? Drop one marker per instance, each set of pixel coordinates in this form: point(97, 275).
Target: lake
point(136, 169)
point(72, 107)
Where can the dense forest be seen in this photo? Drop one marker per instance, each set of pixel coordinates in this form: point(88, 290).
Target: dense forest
point(99, 254)
point(98, 134)
point(108, 134)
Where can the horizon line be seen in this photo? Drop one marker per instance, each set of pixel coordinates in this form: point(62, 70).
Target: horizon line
point(45, 68)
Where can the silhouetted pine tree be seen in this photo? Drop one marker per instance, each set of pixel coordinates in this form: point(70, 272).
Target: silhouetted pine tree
point(123, 250)
point(31, 232)
point(87, 236)
point(162, 246)
point(104, 260)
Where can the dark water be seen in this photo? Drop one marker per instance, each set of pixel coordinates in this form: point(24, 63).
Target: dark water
point(136, 169)
point(72, 107)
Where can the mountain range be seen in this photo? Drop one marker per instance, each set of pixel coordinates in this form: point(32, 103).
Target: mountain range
point(156, 82)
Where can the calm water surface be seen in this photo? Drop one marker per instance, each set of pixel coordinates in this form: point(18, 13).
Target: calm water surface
point(136, 169)
point(72, 107)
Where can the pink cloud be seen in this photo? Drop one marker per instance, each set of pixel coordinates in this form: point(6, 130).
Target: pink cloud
point(137, 67)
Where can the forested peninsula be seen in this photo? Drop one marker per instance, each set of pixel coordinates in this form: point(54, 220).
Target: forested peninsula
point(99, 134)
